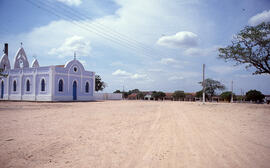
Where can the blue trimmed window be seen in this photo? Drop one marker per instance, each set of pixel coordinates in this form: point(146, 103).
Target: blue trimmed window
point(60, 85)
point(27, 85)
point(14, 86)
point(42, 85)
point(87, 87)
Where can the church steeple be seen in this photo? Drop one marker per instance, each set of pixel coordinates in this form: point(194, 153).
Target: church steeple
point(4, 61)
point(20, 60)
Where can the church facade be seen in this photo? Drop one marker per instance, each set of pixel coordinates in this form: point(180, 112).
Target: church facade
point(69, 82)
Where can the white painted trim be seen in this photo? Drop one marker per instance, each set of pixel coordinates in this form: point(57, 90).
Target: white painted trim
point(76, 81)
point(94, 82)
point(67, 74)
point(21, 82)
point(44, 97)
point(35, 83)
point(8, 92)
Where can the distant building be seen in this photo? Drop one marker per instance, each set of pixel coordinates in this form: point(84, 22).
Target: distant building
point(67, 82)
point(148, 96)
point(169, 96)
point(132, 96)
point(267, 99)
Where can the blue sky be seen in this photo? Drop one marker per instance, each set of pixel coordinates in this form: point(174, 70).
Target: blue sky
point(149, 45)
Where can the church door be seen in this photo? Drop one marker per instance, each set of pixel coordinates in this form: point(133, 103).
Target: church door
point(2, 89)
point(74, 90)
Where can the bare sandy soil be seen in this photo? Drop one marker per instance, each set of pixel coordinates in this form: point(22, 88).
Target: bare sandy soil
point(133, 134)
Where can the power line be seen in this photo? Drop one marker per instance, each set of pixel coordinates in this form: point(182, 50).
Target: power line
point(84, 26)
point(101, 26)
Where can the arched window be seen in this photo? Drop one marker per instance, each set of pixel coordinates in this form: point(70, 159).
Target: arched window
point(27, 85)
point(87, 87)
point(60, 85)
point(42, 85)
point(14, 86)
point(2, 89)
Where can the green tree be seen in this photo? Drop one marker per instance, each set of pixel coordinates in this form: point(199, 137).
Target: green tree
point(141, 95)
point(135, 91)
point(99, 84)
point(125, 95)
point(158, 95)
point(250, 47)
point(199, 94)
point(226, 96)
point(254, 95)
point(178, 95)
point(211, 86)
point(117, 91)
point(162, 95)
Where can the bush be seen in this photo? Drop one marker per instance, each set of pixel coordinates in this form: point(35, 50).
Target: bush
point(158, 95)
point(226, 96)
point(178, 95)
point(254, 95)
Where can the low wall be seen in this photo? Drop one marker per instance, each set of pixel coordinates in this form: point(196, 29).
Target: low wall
point(108, 96)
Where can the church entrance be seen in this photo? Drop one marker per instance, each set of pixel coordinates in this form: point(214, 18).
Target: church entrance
point(2, 89)
point(74, 90)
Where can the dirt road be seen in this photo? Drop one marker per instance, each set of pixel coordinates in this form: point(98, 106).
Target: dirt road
point(134, 134)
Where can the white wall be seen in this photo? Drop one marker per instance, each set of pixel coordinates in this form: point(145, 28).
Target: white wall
point(108, 96)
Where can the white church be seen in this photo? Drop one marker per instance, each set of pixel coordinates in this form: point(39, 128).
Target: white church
point(69, 82)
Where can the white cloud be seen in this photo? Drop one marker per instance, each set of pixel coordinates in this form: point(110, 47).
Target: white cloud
point(71, 2)
point(120, 72)
point(142, 13)
point(202, 51)
point(167, 61)
point(72, 44)
point(125, 74)
point(181, 39)
point(221, 69)
point(170, 61)
point(117, 63)
point(138, 76)
point(155, 70)
point(259, 18)
point(172, 78)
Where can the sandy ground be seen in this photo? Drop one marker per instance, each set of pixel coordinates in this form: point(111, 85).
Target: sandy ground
point(134, 134)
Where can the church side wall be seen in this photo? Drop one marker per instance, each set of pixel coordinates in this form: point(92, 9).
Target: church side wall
point(21, 76)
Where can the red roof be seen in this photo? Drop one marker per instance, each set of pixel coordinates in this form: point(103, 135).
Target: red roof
point(133, 95)
point(168, 95)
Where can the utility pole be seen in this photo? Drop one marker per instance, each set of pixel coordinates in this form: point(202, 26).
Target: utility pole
point(123, 93)
point(232, 93)
point(203, 84)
